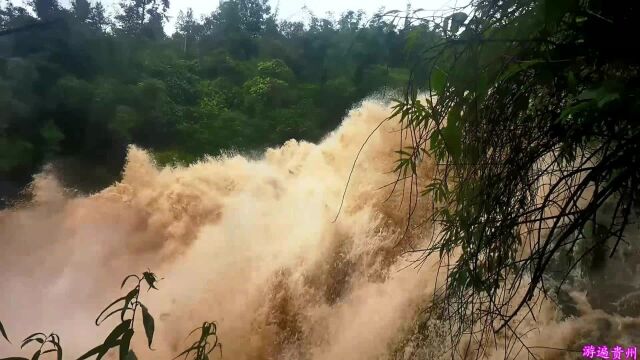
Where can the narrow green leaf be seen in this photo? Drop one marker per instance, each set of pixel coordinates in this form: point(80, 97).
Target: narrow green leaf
point(452, 134)
point(149, 324)
point(3, 332)
point(113, 313)
point(36, 356)
point(127, 299)
point(100, 349)
point(570, 110)
point(127, 278)
point(588, 94)
point(44, 336)
point(438, 80)
point(482, 86)
point(59, 348)
point(107, 308)
point(571, 81)
point(186, 352)
point(518, 67)
point(30, 340)
point(125, 344)
point(193, 331)
point(606, 98)
point(112, 339)
point(433, 141)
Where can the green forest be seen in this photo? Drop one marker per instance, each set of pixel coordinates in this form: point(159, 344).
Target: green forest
point(79, 86)
point(517, 175)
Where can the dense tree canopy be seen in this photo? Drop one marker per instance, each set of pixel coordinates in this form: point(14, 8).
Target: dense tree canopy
point(78, 85)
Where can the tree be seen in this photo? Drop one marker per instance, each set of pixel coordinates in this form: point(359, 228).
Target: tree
point(531, 120)
point(236, 26)
point(253, 15)
point(97, 17)
point(292, 29)
point(12, 14)
point(185, 23)
point(351, 21)
point(69, 89)
point(45, 9)
point(235, 16)
point(81, 9)
point(188, 27)
point(132, 17)
point(142, 17)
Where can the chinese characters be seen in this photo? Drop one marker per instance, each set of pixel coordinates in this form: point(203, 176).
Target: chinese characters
point(602, 352)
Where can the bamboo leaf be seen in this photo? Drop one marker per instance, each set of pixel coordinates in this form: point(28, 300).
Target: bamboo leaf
point(438, 80)
point(44, 336)
point(113, 313)
point(125, 344)
point(30, 340)
point(187, 351)
point(100, 349)
point(149, 324)
point(107, 308)
point(3, 332)
point(112, 339)
point(518, 67)
point(127, 278)
point(127, 299)
point(36, 356)
point(453, 135)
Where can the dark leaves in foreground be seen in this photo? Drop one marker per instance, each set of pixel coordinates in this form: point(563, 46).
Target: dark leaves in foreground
point(201, 349)
point(151, 279)
point(3, 332)
point(120, 337)
point(49, 344)
point(531, 123)
point(127, 306)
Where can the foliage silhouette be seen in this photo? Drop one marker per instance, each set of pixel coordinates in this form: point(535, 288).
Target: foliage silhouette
point(127, 306)
point(531, 119)
point(201, 348)
point(3, 332)
point(49, 344)
point(120, 337)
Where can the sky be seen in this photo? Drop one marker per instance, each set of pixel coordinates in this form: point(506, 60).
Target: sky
point(293, 9)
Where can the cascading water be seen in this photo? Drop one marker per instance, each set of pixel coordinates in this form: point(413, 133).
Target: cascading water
point(252, 245)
